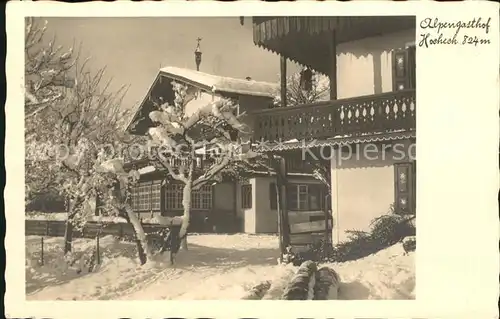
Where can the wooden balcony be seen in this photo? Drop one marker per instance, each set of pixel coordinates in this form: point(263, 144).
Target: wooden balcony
point(379, 113)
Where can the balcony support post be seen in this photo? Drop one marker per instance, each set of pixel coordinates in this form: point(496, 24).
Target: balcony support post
point(279, 163)
point(333, 65)
point(283, 81)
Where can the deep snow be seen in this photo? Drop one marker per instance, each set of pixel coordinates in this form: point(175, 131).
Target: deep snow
point(215, 267)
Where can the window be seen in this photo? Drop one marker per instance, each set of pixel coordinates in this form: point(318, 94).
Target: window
point(298, 197)
point(404, 185)
point(173, 196)
point(404, 67)
point(200, 199)
point(246, 196)
point(301, 197)
point(146, 196)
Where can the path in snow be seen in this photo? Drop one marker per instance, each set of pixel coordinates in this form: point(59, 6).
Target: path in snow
point(214, 267)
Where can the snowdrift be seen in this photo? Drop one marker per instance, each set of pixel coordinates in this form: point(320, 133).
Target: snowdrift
point(216, 267)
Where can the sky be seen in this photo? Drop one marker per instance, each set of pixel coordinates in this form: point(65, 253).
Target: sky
point(133, 49)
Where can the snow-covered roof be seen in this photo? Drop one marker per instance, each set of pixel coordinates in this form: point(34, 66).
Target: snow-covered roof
point(221, 83)
point(209, 82)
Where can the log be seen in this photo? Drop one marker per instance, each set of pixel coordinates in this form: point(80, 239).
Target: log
point(301, 287)
point(327, 284)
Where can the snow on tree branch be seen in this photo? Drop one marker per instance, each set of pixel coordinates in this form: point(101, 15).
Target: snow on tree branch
point(212, 126)
point(46, 69)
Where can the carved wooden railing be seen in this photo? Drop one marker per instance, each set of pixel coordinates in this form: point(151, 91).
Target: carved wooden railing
point(386, 112)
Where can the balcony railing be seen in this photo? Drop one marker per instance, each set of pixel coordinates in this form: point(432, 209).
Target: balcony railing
point(379, 113)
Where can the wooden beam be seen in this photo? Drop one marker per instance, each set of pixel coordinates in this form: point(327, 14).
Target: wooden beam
point(279, 165)
point(310, 227)
point(280, 221)
point(284, 201)
point(283, 81)
point(333, 65)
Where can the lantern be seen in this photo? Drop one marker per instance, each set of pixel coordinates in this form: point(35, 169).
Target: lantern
point(197, 55)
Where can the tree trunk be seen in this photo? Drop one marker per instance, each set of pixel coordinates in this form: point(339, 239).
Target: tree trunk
point(68, 236)
point(140, 250)
point(139, 233)
point(184, 243)
point(68, 232)
point(186, 204)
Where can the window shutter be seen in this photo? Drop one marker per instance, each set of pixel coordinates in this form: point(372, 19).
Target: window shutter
point(404, 188)
point(399, 70)
point(272, 196)
point(403, 68)
point(246, 196)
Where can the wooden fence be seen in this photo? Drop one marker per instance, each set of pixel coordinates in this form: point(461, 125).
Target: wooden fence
point(308, 228)
point(56, 228)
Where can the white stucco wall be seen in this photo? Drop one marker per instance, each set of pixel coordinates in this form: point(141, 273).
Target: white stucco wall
point(363, 188)
point(365, 66)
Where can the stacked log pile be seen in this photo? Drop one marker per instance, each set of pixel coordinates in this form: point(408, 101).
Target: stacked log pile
point(301, 287)
point(327, 284)
point(308, 283)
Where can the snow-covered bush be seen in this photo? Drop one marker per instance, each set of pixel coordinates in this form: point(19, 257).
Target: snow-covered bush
point(385, 231)
point(358, 245)
point(389, 229)
point(315, 252)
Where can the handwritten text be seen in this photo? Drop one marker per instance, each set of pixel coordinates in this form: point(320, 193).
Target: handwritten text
point(474, 32)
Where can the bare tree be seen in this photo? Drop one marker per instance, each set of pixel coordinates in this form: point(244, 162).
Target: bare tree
point(71, 114)
point(45, 69)
point(299, 91)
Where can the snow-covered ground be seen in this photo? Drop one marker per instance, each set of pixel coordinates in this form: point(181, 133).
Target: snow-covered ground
point(214, 267)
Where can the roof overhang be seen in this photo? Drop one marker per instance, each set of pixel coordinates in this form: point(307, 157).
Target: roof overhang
point(307, 40)
point(337, 141)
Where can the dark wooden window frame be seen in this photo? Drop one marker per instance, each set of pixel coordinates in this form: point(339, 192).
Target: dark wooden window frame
point(404, 68)
point(246, 196)
point(202, 199)
point(152, 199)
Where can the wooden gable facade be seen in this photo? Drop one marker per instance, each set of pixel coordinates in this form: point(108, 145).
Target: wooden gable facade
point(157, 194)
